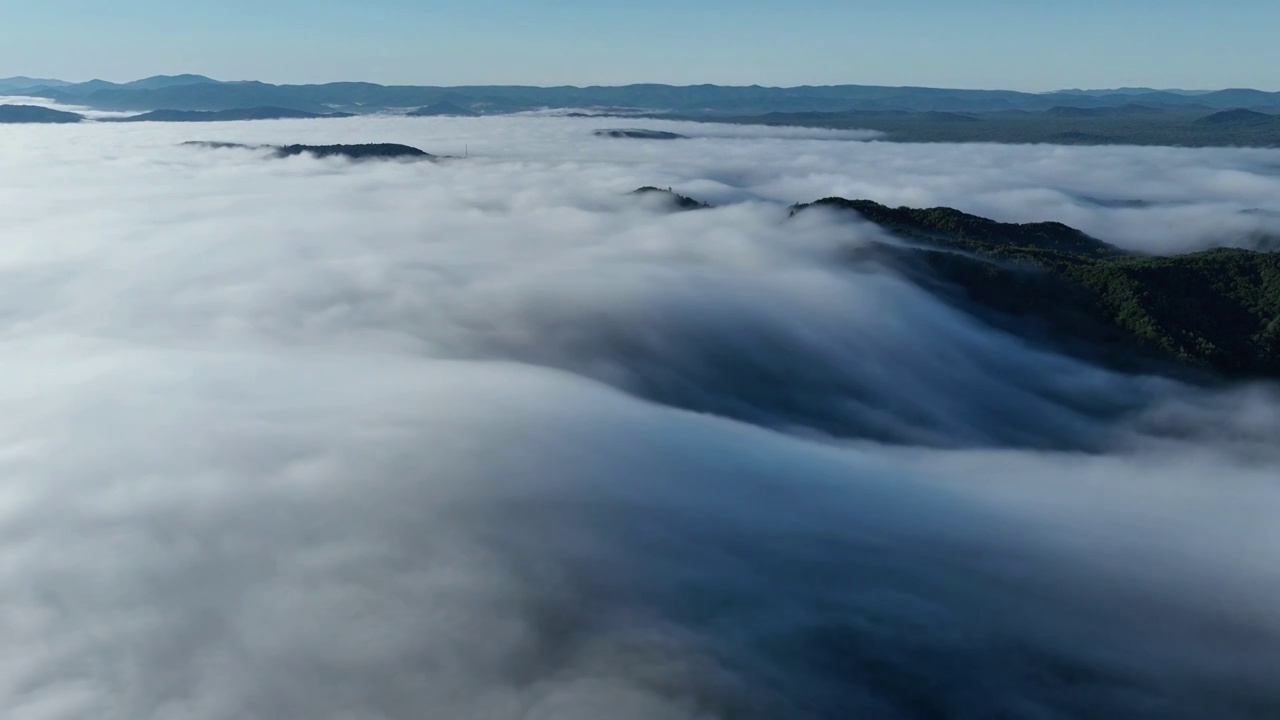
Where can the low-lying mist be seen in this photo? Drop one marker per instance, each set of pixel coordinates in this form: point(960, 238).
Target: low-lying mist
point(492, 438)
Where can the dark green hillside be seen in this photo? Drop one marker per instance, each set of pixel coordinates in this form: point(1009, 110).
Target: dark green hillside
point(970, 232)
point(1217, 310)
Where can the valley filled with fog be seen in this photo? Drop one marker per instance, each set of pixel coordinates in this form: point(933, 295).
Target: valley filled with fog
point(493, 437)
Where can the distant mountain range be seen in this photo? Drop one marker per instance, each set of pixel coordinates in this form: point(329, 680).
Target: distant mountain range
point(1131, 91)
point(12, 84)
point(1190, 125)
point(1129, 116)
point(197, 92)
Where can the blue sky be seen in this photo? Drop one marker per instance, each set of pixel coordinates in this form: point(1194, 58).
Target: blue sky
point(1016, 44)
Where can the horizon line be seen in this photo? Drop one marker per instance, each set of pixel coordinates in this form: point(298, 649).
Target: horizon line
point(1116, 88)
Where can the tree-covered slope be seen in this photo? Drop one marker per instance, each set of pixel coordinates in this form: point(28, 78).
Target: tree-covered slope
point(971, 232)
point(676, 200)
point(1217, 310)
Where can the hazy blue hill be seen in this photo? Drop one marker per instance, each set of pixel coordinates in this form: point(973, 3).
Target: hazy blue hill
point(258, 113)
point(455, 98)
point(443, 109)
point(34, 114)
point(164, 81)
point(1071, 111)
point(80, 90)
point(1240, 97)
point(1152, 99)
point(1128, 91)
point(949, 117)
point(1062, 111)
point(23, 83)
point(1239, 117)
point(1077, 137)
point(1217, 310)
point(953, 104)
